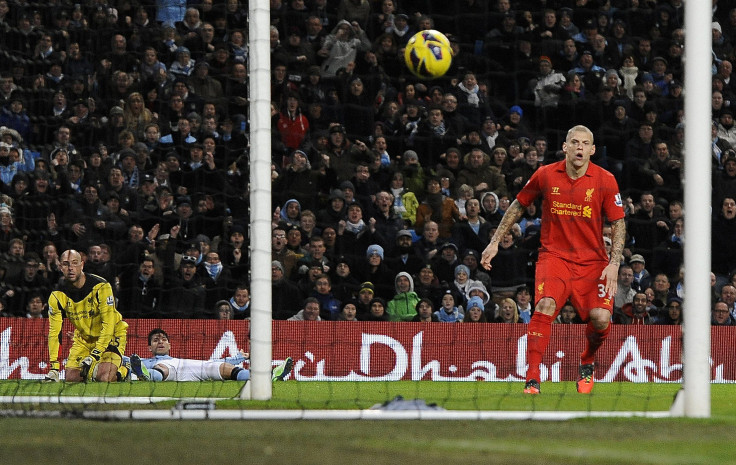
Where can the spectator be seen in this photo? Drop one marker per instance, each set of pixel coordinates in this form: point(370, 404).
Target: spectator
point(437, 207)
point(546, 90)
point(286, 296)
point(450, 311)
point(330, 307)
point(425, 312)
point(475, 311)
point(292, 124)
point(568, 315)
point(403, 305)
point(405, 257)
point(30, 281)
point(240, 302)
point(480, 175)
point(673, 313)
point(139, 292)
point(375, 270)
point(344, 283)
point(470, 258)
point(728, 295)
point(661, 287)
point(310, 311)
point(523, 298)
point(507, 312)
point(362, 298)
point(218, 279)
point(223, 310)
point(721, 315)
point(642, 278)
point(340, 48)
point(347, 312)
point(378, 308)
point(625, 292)
point(405, 201)
point(36, 306)
point(184, 292)
point(636, 312)
point(724, 226)
point(645, 226)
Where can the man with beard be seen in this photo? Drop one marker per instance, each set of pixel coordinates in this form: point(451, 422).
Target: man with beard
point(639, 313)
point(405, 258)
point(726, 129)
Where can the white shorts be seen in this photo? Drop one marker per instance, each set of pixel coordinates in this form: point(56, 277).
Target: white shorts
point(182, 369)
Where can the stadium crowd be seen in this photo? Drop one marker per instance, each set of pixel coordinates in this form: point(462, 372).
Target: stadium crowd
point(125, 136)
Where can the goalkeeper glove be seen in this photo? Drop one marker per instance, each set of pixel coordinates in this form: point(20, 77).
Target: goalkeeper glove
point(52, 376)
point(88, 361)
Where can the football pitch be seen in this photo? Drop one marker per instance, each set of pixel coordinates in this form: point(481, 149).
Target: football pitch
point(581, 441)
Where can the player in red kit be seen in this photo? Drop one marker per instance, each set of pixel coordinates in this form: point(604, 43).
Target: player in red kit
point(577, 197)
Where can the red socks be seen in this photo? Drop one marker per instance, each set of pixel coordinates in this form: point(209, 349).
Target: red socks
point(594, 339)
point(537, 340)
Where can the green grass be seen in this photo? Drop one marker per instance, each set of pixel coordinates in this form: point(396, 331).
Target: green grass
point(584, 441)
point(360, 395)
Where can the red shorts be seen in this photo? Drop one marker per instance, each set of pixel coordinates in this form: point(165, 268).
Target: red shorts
point(562, 280)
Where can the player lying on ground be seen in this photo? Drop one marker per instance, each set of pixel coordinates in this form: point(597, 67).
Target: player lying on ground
point(164, 367)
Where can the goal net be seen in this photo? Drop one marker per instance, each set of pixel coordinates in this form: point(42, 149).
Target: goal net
point(343, 366)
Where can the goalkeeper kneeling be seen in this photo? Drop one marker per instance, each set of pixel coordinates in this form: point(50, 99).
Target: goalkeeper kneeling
point(164, 367)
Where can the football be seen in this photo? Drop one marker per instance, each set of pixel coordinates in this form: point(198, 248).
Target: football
point(428, 54)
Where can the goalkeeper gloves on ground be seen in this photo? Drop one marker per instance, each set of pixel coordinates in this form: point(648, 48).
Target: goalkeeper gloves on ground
point(52, 376)
point(87, 363)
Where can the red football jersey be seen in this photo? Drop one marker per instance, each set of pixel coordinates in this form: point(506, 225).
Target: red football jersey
point(573, 211)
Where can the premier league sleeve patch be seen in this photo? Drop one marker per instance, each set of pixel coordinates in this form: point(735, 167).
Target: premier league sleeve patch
point(110, 300)
point(617, 200)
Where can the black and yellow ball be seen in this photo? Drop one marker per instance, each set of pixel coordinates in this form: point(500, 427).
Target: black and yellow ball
point(428, 54)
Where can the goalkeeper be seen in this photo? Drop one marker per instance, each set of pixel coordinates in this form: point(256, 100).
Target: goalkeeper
point(164, 367)
point(100, 333)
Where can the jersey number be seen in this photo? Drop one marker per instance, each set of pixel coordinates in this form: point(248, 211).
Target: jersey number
point(601, 290)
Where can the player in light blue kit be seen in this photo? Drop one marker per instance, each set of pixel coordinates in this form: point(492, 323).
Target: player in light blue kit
point(163, 367)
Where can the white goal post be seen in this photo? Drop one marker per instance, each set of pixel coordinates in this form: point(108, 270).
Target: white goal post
point(694, 398)
point(259, 71)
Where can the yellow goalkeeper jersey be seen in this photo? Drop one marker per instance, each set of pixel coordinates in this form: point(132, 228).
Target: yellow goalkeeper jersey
point(92, 311)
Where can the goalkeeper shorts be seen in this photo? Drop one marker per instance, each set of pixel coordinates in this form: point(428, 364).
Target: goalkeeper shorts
point(113, 353)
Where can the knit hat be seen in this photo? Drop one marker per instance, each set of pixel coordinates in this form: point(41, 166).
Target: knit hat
point(410, 155)
point(337, 194)
point(460, 268)
point(374, 249)
point(476, 302)
point(347, 185)
point(278, 265)
point(368, 286)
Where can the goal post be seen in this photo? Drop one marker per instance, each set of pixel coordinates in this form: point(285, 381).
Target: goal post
point(259, 62)
point(694, 399)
